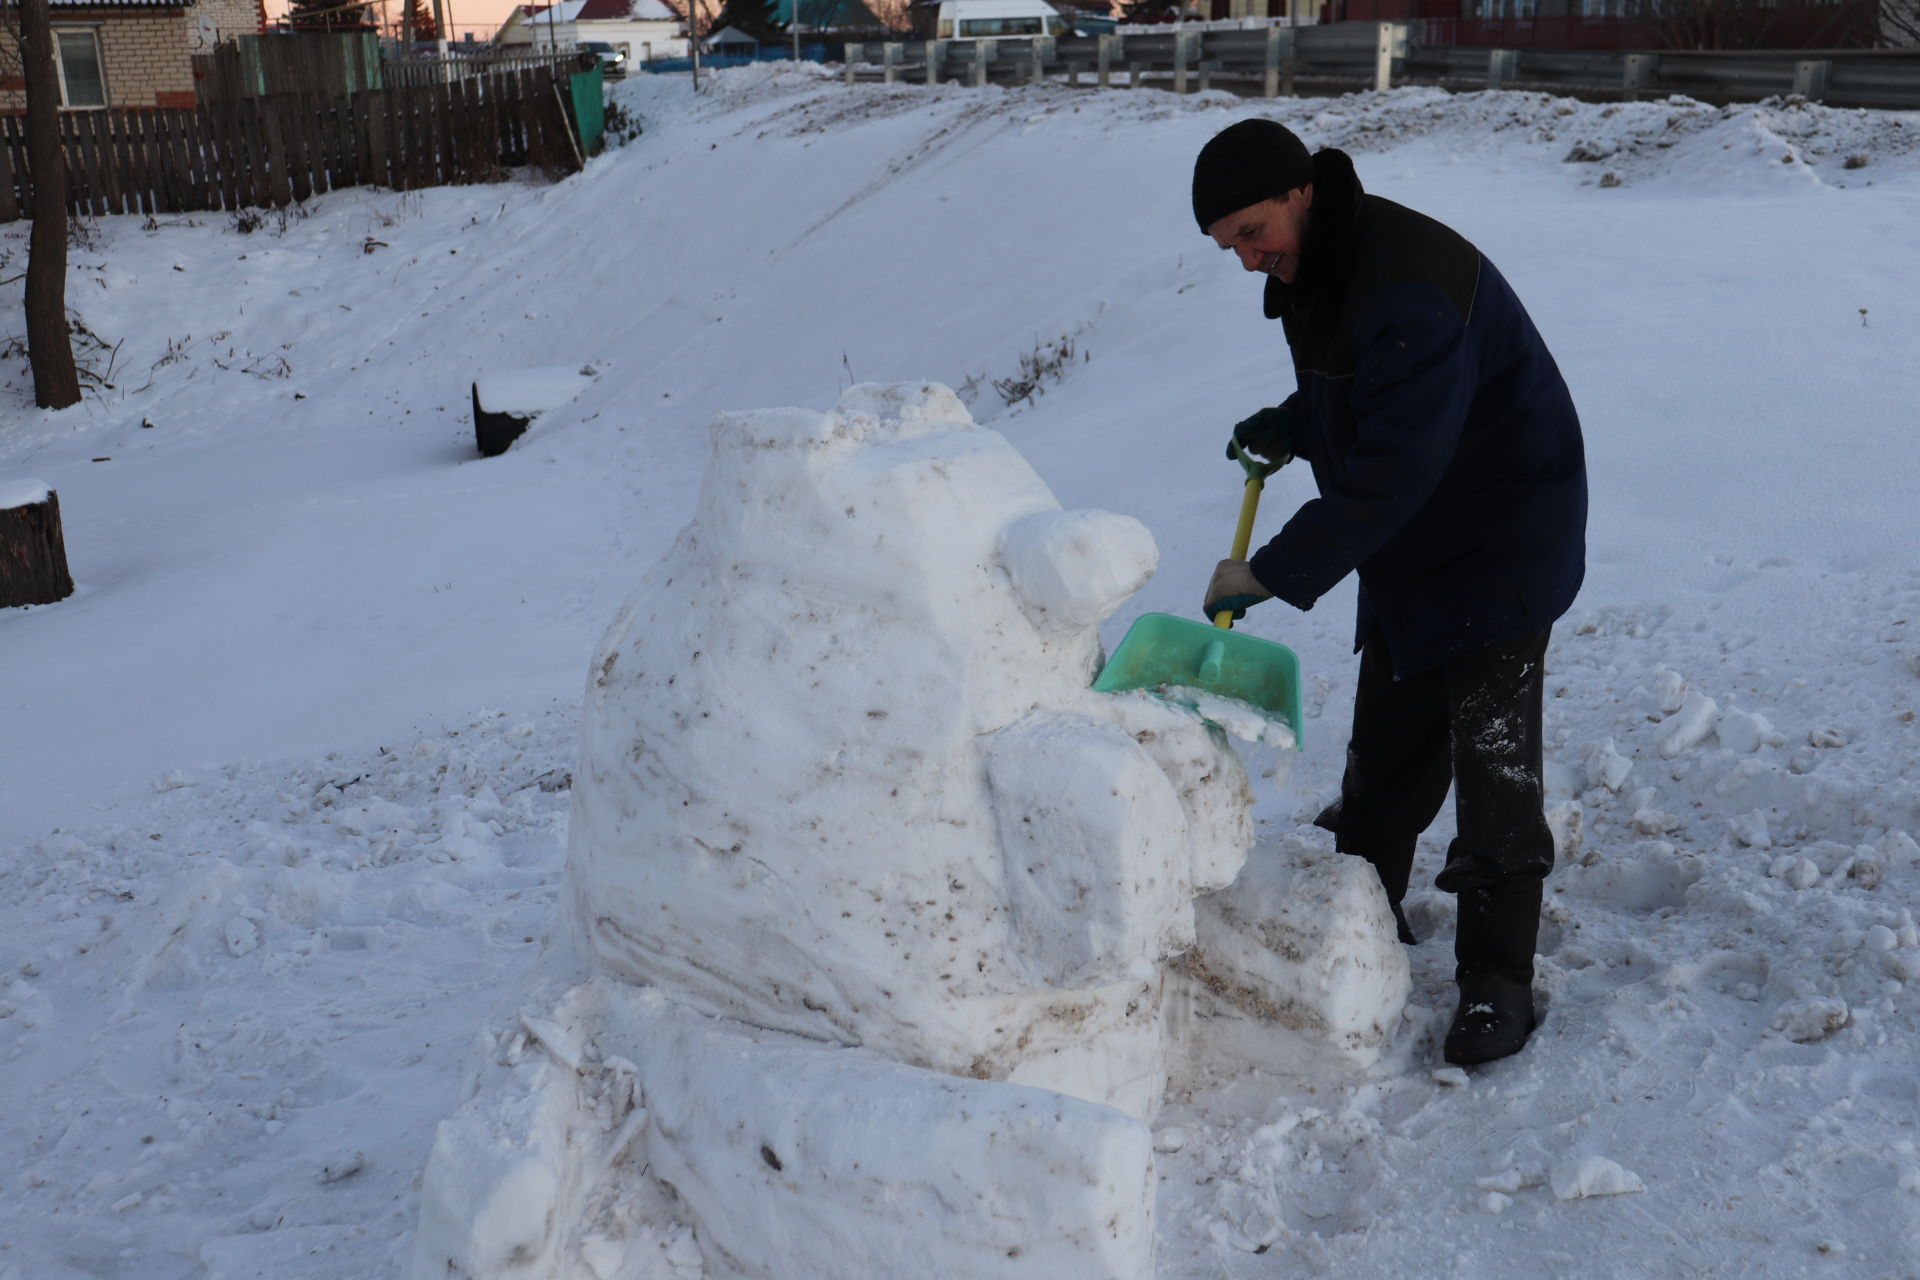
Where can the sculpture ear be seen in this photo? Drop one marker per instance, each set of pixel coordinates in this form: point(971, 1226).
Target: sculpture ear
point(1073, 568)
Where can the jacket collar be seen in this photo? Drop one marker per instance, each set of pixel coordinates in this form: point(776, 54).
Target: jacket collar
point(1326, 259)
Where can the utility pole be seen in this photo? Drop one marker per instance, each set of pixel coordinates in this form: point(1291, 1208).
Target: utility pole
point(793, 26)
point(693, 40)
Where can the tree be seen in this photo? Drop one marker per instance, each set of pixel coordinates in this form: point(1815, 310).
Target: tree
point(1900, 24)
point(56, 383)
point(750, 17)
point(419, 16)
point(330, 15)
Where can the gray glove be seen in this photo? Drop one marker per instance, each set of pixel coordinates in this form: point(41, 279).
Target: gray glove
point(1234, 587)
point(1270, 434)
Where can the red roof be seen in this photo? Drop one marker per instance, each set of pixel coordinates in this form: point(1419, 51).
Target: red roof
point(593, 10)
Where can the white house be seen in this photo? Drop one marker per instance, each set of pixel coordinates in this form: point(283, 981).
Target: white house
point(645, 29)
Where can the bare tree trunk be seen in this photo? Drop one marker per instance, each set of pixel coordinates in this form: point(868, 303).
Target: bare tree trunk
point(56, 384)
point(1899, 24)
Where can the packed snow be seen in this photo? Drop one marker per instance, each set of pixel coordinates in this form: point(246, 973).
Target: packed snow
point(287, 805)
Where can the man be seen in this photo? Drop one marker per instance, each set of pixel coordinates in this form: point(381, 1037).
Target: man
point(1448, 459)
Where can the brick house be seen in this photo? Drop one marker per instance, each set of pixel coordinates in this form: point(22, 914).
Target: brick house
point(128, 53)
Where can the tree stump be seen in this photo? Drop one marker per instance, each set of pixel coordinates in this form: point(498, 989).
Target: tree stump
point(495, 432)
point(33, 554)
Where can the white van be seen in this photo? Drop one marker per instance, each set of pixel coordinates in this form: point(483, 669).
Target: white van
point(992, 19)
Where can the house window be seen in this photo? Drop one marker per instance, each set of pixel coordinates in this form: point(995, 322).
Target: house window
point(82, 83)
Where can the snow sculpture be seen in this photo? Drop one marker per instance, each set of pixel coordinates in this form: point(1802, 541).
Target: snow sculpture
point(870, 901)
point(841, 773)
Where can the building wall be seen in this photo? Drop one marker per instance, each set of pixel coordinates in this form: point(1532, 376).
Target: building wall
point(226, 19)
point(143, 55)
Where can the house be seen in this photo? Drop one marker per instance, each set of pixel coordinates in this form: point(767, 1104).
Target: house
point(644, 29)
point(214, 22)
point(110, 53)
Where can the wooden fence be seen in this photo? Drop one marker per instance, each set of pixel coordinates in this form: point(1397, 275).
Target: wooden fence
point(322, 62)
point(269, 152)
point(429, 68)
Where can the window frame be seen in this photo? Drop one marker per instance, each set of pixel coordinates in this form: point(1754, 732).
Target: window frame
point(92, 32)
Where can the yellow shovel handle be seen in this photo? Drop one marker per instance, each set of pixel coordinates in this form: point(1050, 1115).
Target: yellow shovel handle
point(1242, 537)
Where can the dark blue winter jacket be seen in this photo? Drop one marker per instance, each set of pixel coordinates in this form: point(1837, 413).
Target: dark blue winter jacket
point(1444, 443)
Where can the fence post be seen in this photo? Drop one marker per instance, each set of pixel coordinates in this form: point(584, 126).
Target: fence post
point(1279, 55)
point(936, 50)
point(889, 58)
point(1185, 45)
point(1810, 78)
point(1501, 65)
point(1383, 55)
point(853, 54)
point(1045, 49)
point(1637, 75)
point(1107, 46)
point(983, 51)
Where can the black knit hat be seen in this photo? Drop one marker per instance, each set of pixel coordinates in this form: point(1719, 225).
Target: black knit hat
point(1244, 164)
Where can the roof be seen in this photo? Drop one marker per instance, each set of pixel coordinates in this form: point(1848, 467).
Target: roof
point(631, 10)
point(602, 11)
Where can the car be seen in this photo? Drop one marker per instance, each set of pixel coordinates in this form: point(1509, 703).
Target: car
point(613, 60)
point(990, 19)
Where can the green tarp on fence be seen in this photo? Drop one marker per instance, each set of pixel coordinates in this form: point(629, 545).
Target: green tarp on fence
point(589, 108)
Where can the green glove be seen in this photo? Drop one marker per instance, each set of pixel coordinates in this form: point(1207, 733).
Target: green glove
point(1269, 434)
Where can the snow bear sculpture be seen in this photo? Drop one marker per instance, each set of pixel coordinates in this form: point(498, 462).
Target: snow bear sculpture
point(841, 774)
point(870, 900)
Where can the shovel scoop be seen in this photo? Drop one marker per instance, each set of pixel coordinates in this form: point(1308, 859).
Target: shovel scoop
point(1212, 668)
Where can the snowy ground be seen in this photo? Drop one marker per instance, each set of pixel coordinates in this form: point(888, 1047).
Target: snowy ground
point(283, 807)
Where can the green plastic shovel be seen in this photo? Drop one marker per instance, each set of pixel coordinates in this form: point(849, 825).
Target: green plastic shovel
point(1173, 657)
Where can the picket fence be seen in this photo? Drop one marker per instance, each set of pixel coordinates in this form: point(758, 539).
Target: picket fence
point(270, 152)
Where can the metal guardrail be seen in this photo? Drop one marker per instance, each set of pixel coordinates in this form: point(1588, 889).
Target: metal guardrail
point(1383, 53)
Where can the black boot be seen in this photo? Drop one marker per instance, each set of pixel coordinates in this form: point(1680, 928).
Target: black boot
point(1401, 926)
point(1494, 1019)
point(1499, 925)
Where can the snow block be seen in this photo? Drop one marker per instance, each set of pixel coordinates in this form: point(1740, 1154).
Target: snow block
point(802, 1161)
point(1088, 897)
point(1073, 568)
point(842, 773)
point(1306, 941)
point(491, 1194)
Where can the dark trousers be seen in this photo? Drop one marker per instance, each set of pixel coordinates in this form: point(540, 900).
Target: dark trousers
point(1473, 723)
